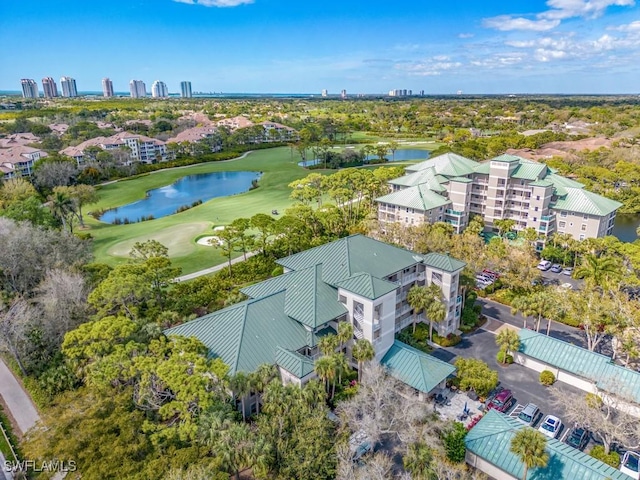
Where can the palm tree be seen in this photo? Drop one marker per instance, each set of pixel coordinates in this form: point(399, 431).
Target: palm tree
point(362, 352)
point(540, 303)
point(341, 366)
point(435, 310)
point(345, 333)
point(324, 369)
point(261, 378)
point(63, 208)
point(393, 146)
point(530, 446)
point(241, 387)
point(522, 305)
point(508, 341)
point(328, 344)
point(419, 460)
point(504, 226)
point(418, 299)
point(598, 271)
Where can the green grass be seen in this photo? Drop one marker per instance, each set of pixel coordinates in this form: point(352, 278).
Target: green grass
point(4, 446)
point(180, 231)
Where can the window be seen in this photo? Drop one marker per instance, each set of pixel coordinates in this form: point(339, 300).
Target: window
point(571, 224)
point(563, 214)
point(535, 219)
point(585, 216)
point(537, 197)
point(407, 209)
point(536, 209)
point(562, 224)
point(581, 237)
point(376, 335)
point(583, 228)
point(406, 219)
point(342, 299)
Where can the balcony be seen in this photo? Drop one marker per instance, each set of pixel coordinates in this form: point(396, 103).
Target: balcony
point(453, 212)
point(458, 299)
point(547, 218)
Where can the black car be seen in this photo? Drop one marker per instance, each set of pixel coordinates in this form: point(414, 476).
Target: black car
point(578, 438)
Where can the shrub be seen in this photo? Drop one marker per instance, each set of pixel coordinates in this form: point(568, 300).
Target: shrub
point(453, 440)
point(547, 378)
point(476, 374)
point(500, 358)
point(613, 458)
point(448, 341)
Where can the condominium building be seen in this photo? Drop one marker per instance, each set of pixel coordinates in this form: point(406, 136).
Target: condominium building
point(355, 279)
point(139, 147)
point(17, 159)
point(449, 188)
point(159, 89)
point(185, 89)
point(49, 87)
point(343, 94)
point(324, 93)
point(29, 88)
point(107, 87)
point(68, 85)
point(137, 88)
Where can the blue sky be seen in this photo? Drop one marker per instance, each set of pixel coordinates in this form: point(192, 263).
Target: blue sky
point(363, 46)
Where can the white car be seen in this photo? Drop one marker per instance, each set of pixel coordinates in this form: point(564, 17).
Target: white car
point(544, 265)
point(550, 426)
point(631, 464)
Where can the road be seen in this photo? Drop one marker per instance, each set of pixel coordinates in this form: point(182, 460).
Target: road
point(207, 271)
point(17, 400)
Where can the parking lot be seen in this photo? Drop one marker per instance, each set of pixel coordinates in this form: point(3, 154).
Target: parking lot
point(523, 382)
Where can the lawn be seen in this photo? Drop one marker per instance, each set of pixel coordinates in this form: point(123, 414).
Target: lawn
point(179, 232)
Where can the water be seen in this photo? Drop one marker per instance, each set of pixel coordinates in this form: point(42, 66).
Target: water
point(164, 201)
point(625, 226)
point(401, 155)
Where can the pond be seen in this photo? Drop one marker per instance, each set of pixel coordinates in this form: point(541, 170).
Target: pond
point(182, 194)
point(400, 155)
point(625, 226)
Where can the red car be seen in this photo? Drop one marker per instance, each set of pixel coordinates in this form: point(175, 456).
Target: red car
point(502, 401)
point(488, 272)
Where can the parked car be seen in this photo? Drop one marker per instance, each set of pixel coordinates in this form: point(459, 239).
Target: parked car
point(556, 268)
point(550, 426)
point(484, 279)
point(567, 271)
point(491, 273)
point(529, 414)
point(630, 464)
point(359, 445)
point(544, 265)
point(578, 437)
point(502, 401)
point(566, 286)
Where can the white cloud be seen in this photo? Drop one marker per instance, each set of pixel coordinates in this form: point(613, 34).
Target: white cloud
point(630, 27)
point(500, 60)
point(562, 9)
point(466, 35)
point(559, 10)
point(428, 67)
point(215, 3)
point(507, 22)
point(545, 55)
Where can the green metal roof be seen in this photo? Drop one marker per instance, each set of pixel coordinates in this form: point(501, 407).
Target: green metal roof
point(247, 335)
point(542, 183)
point(419, 197)
point(448, 164)
point(350, 255)
point(505, 157)
point(561, 183)
point(426, 176)
point(366, 285)
point(491, 437)
point(483, 168)
point(309, 300)
point(267, 287)
point(530, 171)
point(582, 201)
point(581, 362)
point(443, 262)
point(415, 368)
point(293, 362)
point(461, 179)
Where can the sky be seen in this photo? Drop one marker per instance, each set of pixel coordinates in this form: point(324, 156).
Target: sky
point(304, 46)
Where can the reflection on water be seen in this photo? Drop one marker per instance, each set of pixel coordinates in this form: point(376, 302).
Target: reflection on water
point(166, 200)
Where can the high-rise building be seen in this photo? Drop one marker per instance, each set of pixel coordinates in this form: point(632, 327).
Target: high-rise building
point(107, 87)
point(68, 85)
point(343, 94)
point(29, 88)
point(159, 89)
point(49, 87)
point(185, 89)
point(138, 89)
point(325, 92)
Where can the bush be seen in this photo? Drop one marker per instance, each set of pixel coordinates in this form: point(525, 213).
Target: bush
point(613, 458)
point(448, 341)
point(453, 440)
point(500, 358)
point(547, 378)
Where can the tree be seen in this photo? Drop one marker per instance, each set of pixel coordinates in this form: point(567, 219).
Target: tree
point(265, 226)
point(598, 314)
point(418, 461)
point(15, 324)
point(418, 300)
point(504, 226)
point(63, 208)
point(345, 333)
point(83, 195)
point(261, 378)
point(228, 241)
point(436, 310)
point(530, 447)
point(325, 368)
point(598, 271)
point(541, 303)
point(14, 190)
point(49, 174)
point(328, 344)
point(240, 385)
point(453, 441)
point(362, 352)
point(508, 341)
point(393, 146)
point(476, 375)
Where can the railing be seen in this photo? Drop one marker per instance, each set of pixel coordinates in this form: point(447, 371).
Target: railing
point(547, 218)
point(358, 315)
point(458, 299)
point(453, 212)
point(358, 334)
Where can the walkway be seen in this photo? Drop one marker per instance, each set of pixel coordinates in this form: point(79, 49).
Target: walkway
point(17, 400)
point(207, 271)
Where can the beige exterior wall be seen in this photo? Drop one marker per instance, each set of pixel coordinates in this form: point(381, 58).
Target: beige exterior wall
point(489, 468)
point(409, 216)
point(581, 226)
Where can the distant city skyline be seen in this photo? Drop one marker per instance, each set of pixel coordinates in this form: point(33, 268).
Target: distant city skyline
point(282, 46)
